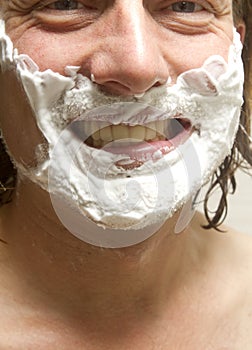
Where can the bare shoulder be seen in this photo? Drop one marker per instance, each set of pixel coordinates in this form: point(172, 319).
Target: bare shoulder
point(229, 277)
point(232, 238)
point(230, 248)
point(231, 253)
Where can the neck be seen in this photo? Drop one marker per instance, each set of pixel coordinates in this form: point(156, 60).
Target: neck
point(59, 270)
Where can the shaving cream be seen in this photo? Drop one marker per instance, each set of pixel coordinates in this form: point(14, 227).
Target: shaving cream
point(95, 199)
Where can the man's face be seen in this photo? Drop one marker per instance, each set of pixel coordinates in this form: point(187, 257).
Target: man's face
point(129, 49)
point(127, 46)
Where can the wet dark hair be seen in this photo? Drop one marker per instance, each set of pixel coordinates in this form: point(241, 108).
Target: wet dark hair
point(223, 178)
point(241, 153)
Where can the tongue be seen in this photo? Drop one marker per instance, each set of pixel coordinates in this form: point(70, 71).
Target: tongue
point(142, 151)
point(138, 150)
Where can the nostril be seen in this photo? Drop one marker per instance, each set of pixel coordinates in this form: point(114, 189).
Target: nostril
point(117, 89)
point(161, 82)
point(114, 88)
point(118, 81)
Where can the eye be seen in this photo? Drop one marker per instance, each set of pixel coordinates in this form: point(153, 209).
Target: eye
point(65, 5)
point(186, 7)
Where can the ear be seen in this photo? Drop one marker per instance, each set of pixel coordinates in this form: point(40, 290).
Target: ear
point(241, 29)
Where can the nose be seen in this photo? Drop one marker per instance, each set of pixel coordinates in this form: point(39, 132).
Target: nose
point(127, 57)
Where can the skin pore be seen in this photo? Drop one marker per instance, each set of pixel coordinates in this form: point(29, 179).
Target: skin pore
point(58, 290)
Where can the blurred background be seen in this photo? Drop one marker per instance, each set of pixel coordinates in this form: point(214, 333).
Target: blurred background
point(240, 205)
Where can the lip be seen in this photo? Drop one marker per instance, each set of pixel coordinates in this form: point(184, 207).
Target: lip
point(135, 153)
point(144, 151)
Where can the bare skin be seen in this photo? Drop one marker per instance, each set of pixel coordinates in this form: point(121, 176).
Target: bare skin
point(188, 291)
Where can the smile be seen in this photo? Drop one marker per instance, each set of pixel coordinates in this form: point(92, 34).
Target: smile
point(137, 143)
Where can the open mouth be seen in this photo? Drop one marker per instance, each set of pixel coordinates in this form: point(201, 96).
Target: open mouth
point(103, 134)
point(137, 143)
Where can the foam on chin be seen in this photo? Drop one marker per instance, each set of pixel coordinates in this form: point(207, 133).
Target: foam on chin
point(85, 182)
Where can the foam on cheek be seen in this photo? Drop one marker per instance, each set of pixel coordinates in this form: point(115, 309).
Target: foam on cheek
point(87, 181)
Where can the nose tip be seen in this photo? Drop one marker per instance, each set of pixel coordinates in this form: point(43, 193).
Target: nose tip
point(129, 68)
point(127, 77)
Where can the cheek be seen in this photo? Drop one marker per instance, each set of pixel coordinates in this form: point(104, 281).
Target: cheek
point(191, 52)
point(52, 51)
point(17, 122)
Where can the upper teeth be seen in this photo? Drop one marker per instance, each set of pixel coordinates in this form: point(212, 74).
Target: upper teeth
point(101, 133)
